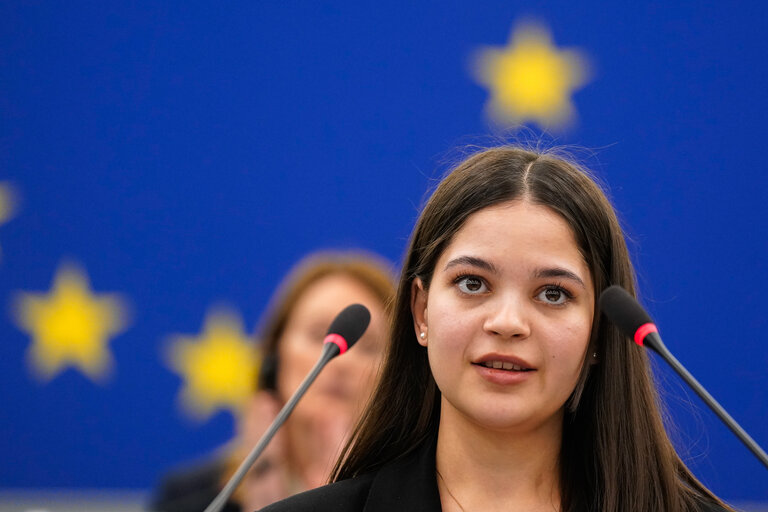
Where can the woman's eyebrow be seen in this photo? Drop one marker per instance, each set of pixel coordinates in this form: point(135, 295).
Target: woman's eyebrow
point(560, 273)
point(471, 261)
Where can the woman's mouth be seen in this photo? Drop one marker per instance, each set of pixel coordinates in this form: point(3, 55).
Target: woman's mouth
point(504, 365)
point(504, 370)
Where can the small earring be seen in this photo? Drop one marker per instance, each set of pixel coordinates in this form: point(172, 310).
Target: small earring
point(422, 335)
point(594, 355)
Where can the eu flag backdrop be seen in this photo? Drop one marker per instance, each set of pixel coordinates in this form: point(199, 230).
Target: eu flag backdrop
point(163, 165)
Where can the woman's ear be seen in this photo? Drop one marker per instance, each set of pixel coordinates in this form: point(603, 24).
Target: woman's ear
point(419, 310)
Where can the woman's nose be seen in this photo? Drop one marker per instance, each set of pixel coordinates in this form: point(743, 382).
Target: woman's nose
point(508, 317)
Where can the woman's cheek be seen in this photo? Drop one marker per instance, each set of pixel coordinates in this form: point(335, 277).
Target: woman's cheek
point(571, 345)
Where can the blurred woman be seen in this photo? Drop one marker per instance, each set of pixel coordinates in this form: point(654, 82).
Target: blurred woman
point(302, 455)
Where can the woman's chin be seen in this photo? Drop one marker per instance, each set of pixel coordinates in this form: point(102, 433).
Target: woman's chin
point(504, 418)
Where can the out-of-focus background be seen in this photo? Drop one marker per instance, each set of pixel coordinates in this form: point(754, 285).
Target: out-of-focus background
point(163, 165)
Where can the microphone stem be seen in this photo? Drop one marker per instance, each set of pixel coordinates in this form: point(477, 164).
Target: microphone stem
point(658, 346)
point(329, 352)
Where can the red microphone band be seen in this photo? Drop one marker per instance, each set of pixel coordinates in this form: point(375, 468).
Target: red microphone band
point(643, 331)
point(339, 340)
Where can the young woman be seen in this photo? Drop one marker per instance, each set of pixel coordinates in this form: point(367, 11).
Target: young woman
point(503, 388)
point(302, 454)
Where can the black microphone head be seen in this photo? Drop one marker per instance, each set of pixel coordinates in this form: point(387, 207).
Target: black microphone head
point(623, 310)
point(351, 323)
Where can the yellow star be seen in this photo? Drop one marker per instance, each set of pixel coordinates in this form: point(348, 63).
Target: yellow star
point(219, 366)
point(530, 79)
point(70, 326)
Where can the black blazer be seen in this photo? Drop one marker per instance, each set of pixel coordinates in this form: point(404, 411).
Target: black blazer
point(407, 484)
point(403, 485)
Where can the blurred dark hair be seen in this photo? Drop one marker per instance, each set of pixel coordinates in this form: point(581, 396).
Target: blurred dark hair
point(615, 453)
point(369, 270)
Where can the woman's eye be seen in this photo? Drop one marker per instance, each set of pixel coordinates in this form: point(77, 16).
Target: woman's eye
point(553, 295)
point(471, 285)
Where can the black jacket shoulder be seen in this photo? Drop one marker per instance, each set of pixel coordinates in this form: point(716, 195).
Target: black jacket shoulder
point(406, 484)
point(345, 495)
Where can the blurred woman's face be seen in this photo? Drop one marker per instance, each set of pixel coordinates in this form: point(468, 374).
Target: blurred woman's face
point(347, 380)
point(340, 392)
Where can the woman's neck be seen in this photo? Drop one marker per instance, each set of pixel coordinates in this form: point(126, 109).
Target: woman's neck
point(481, 469)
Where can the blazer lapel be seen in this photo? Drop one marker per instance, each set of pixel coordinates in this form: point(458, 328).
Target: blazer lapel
point(408, 484)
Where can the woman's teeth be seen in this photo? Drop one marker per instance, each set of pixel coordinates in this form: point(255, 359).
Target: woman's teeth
point(503, 365)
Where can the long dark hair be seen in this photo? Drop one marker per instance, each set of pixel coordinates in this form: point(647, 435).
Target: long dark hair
point(615, 454)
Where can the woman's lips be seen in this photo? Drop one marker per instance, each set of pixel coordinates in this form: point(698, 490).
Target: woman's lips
point(504, 361)
point(503, 369)
point(502, 376)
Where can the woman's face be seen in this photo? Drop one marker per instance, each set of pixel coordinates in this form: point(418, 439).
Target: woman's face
point(507, 317)
point(345, 383)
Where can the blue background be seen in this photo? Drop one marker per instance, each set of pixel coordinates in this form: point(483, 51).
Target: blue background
point(189, 153)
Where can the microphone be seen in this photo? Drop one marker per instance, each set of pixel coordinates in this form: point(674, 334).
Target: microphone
point(628, 315)
point(345, 330)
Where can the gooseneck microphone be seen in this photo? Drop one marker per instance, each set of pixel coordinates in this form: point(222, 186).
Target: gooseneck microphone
point(632, 320)
point(345, 330)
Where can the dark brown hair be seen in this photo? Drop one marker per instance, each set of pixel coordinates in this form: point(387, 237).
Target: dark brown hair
point(615, 454)
point(370, 270)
